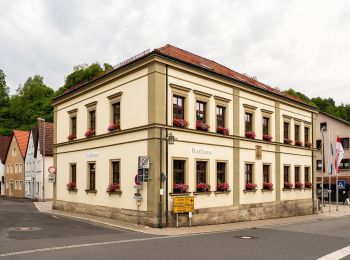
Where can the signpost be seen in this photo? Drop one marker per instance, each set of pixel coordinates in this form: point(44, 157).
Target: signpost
point(183, 205)
point(52, 174)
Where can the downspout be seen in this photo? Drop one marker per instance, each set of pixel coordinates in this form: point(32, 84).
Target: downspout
point(166, 150)
point(312, 165)
point(161, 179)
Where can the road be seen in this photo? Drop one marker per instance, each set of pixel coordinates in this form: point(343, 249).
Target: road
point(26, 233)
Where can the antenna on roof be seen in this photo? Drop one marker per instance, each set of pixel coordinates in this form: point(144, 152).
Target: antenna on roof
point(137, 56)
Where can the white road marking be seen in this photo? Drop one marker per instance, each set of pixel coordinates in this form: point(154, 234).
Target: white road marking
point(90, 244)
point(339, 254)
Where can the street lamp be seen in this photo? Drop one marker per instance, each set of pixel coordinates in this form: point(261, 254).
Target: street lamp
point(44, 150)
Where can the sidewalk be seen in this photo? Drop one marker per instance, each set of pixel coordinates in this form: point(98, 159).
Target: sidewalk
point(46, 207)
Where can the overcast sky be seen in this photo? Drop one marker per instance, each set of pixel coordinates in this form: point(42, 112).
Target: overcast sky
point(303, 45)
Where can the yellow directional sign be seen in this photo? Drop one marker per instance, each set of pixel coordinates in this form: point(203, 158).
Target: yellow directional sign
point(183, 204)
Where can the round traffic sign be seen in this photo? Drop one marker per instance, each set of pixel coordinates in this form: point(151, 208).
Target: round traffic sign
point(52, 169)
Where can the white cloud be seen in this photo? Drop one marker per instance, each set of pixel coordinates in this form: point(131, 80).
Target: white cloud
point(290, 44)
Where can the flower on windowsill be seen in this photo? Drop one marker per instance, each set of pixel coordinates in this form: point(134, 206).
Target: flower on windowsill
point(308, 184)
point(250, 134)
point(288, 185)
point(267, 186)
point(298, 185)
point(203, 187)
point(113, 127)
point(223, 186)
point(250, 186)
point(308, 145)
point(222, 130)
point(298, 143)
point(90, 133)
point(71, 185)
point(288, 141)
point(180, 122)
point(180, 188)
point(267, 138)
point(200, 125)
point(113, 187)
point(71, 137)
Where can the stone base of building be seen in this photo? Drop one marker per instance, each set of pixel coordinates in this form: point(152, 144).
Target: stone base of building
point(206, 216)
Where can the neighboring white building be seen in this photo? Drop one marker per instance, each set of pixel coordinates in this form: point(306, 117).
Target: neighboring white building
point(30, 164)
point(4, 142)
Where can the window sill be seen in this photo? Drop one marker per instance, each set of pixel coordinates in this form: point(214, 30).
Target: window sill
point(91, 191)
point(117, 192)
point(307, 188)
point(287, 189)
point(222, 192)
point(72, 190)
point(179, 194)
point(202, 192)
point(266, 190)
point(250, 191)
point(298, 189)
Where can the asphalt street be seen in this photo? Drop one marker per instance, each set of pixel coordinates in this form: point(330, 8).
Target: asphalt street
point(27, 234)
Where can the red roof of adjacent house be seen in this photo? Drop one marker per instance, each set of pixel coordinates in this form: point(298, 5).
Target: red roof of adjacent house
point(22, 138)
point(48, 138)
point(4, 143)
point(181, 55)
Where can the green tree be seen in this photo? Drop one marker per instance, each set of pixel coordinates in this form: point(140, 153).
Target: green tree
point(4, 90)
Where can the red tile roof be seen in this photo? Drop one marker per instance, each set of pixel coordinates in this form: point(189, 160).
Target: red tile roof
point(22, 138)
point(4, 143)
point(181, 55)
point(48, 138)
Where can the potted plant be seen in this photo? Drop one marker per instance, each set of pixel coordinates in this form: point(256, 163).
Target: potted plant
point(308, 145)
point(223, 186)
point(267, 186)
point(90, 133)
point(250, 186)
point(180, 188)
point(200, 125)
point(71, 137)
point(250, 134)
point(287, 141)
point(222, 130)
point(71, 185)
point(298, 143)
point(180, 122)
point(298, 185)
point(288, 185)
point(112, 187)
point(267, 138)
point(308, 185)
point(203, 187)
point(113, 127)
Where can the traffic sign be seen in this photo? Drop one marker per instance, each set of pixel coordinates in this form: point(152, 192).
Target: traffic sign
point(52, 169)
point(341, 184)
point(52, 178)
point(183, 204)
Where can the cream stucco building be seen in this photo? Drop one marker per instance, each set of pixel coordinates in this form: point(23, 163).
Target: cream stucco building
point(213, 112)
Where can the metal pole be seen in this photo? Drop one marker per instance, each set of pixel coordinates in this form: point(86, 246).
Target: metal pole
point(160, 180)
point(329, 177)
point(177, 220)
point(322, 170)
point(336, 189)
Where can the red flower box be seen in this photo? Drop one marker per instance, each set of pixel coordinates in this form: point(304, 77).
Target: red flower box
point(203, 187)
point(267, 186)
point(180, 188)
point(222, 130)
point(288, 185)
point(308, 145)
point(308, 184)
point(113, 187)
point(71, 185)
point(223, 187)
point(200, 125)
point(267, 138)
point(287, 141)
point(71, 137)
point(113, 127)
point(250, 134)
point(90, 133)
point(299, 185)
point(180, 123)
point(298, 143)
point(250, 186)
